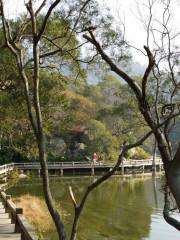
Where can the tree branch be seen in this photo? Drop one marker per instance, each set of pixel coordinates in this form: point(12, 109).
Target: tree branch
point(72, 197)
point(46, 19)
point(90, 188)
point(172, 221)
point(40, 7)
point(78, 208)
point(18, 55)
point(148, 71)
point(76, 22)
point(132, 83)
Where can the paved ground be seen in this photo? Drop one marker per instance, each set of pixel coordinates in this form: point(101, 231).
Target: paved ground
point(6, 228)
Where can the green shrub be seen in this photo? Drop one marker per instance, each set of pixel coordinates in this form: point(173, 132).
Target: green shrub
point(138, 153)
point(13, 174)
point(102, 142)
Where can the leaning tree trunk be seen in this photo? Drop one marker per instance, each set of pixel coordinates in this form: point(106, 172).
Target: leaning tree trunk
point(173, 177)
point(46, 189)
point(171, 166)
point(42, 143)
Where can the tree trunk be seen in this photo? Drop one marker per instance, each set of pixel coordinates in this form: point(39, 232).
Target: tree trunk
point(46, 189)
point(75, 224)
point(41, 146)
point(174, 177)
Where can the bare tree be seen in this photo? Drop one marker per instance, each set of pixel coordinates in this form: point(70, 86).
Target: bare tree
point(34, 50)
point(34, 109)
point(166, 85)
point(16, 43)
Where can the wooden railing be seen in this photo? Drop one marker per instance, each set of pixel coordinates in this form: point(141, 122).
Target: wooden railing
point(60, 164)
point(145, 161)
point(16, 214)
point(85, 163)
point(6, 167)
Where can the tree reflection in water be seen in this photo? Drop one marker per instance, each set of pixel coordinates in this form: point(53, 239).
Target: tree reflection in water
point(118, 209)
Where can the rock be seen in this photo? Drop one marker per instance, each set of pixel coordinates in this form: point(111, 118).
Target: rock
point(23, 176)
point(80, 146)
point(57, 146)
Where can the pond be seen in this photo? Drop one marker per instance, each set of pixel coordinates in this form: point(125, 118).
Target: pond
point(121, 208)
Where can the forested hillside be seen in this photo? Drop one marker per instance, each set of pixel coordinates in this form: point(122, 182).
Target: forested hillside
point(84, 111)
point(79, 119)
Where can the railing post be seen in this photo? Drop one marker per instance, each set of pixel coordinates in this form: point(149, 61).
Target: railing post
point(143, 168)
point(8, 197)
point(39, 172)
point(15, 220)
point(122, 168)
point(92, 170)
point(23, 236)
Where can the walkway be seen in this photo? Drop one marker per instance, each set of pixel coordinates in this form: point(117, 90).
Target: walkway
point(13, 225)
point(7, 229)
point(59, 168)
point(130, 166)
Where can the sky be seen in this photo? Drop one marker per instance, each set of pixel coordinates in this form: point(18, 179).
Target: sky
point(134, 13)
point(126, 10)
point(122, 7)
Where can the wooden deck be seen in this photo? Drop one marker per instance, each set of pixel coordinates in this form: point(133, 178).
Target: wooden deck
point(13, 225)
point(7, 229)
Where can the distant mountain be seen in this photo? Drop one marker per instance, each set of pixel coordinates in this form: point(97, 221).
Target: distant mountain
point(137, 68)
point(94, 76)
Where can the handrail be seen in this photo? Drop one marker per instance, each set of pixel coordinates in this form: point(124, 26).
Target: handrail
point(52, 165)
point(21, 225)
point(7, 166)
point(64, 164)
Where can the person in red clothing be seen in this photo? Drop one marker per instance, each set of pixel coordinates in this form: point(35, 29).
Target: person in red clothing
point(94, 158)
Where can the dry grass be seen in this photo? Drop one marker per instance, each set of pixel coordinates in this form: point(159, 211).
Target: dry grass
point(36, 212)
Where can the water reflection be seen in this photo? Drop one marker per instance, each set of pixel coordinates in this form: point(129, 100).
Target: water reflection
point(127, 209)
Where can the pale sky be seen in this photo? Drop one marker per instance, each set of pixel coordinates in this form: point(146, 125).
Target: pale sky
point(133, 15)
point(127, 10)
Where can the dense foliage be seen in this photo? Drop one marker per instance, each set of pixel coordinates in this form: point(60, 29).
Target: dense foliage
point(79, 117)
point(79, 120)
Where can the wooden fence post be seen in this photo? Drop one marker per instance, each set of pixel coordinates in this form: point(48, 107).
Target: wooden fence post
point(8, 197)
point(15, 219)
